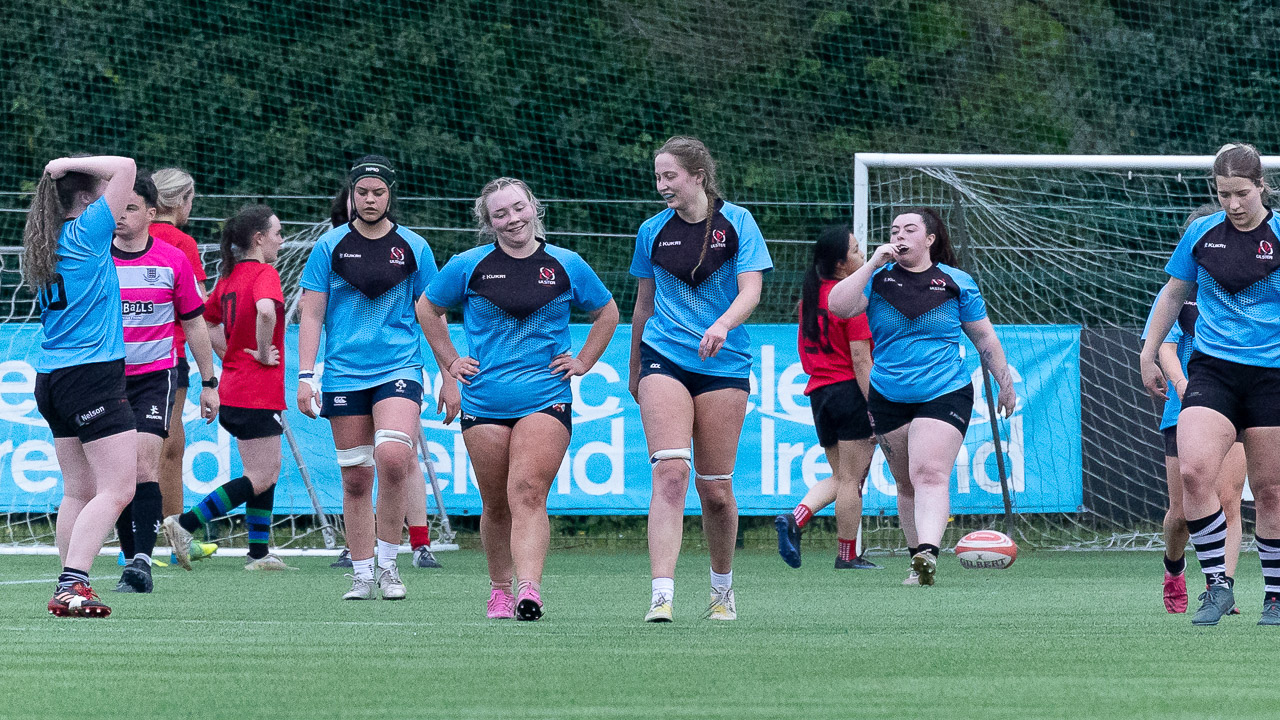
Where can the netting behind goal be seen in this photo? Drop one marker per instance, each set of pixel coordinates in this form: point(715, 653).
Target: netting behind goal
point(1082, 247)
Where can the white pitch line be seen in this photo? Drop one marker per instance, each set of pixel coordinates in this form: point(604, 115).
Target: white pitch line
point(27, 582)
point(323, 623)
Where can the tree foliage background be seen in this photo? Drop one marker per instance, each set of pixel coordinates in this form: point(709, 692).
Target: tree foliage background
point(277, 98)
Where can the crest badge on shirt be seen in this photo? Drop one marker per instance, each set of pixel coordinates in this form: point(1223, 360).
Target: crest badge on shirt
point(1265, 250)
point(152, 274)
point(397, 256)
point(718, 238)
point(546, 276)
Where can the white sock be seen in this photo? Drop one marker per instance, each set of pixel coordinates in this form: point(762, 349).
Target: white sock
point(387, 554)
point(721, 582)
point(363, 568)
point(145, 558)
point(664, 586)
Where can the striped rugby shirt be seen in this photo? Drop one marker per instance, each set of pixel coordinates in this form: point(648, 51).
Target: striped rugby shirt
point(157, 289)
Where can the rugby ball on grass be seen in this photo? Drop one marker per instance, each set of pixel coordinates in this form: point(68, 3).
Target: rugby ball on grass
point(986, 549)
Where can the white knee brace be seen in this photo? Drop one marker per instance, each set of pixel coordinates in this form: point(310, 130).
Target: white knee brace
point(383, 436)
point(684, 454)
point(359, 456)
point(714, 478)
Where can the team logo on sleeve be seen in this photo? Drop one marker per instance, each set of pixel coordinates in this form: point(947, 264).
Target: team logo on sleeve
point(546, 276)
point(1188, 316)
point(1265, 250)
point(397, 256)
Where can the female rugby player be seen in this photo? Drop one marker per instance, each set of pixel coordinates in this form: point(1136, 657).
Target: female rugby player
point(701, 264)
point(921, 399)
point(516, 292)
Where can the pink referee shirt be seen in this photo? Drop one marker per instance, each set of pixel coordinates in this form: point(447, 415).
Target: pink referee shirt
point(157, 289)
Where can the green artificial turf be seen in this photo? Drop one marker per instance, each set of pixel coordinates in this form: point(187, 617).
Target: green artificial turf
point(1070, 635)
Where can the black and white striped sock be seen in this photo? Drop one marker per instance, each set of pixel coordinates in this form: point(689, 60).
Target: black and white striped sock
point(71, 576)
point(1269, 554)
point(1209, 536)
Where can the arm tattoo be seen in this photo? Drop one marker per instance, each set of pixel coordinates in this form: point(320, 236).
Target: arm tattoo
point(1001, 374)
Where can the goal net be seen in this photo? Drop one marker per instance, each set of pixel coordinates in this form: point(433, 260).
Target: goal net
point(1064, 242)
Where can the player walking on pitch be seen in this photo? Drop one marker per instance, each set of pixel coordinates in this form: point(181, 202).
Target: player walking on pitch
point(1233, 376)
point(921, 399)
point(1175, 352)
point(158, 292)
point(516, 293)
point(701, 265)
point(175, 193)
point(415, 499)
point(246, 315)
point(362, 284)
point(837, 356)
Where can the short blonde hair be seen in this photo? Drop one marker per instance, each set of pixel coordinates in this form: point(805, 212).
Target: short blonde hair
point(485, 223)
point(172, 187)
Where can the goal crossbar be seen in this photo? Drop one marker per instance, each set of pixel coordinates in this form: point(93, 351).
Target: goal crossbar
point(863, 161)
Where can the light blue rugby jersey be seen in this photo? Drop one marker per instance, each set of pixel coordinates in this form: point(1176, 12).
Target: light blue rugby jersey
point(515, 312)
point(80, 319)
point(1183, 335)
point(371, 332)
point(915, 321)
point(1238, 288)
point(689, 297)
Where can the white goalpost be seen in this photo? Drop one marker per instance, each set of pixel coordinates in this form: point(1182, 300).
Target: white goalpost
point(1064, 241)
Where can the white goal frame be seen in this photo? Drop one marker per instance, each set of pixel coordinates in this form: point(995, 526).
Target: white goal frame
point(862, 162)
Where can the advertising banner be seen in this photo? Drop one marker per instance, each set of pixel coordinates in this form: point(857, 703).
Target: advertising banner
point(606, 470)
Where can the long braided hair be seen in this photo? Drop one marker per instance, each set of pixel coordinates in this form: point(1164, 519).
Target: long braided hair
point(52, 201)
point(695, 158)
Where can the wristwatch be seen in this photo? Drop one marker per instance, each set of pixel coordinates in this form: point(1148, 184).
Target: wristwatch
point(211, 383)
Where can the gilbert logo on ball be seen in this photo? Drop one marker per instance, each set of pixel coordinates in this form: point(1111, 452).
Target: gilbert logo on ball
point(986, 549)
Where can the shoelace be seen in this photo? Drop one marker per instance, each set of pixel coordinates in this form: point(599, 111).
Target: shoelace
point(501, 601)
point(1205, 598)
point(354, 579)
point(719, 599)
point(660, 600)
point(84, 591)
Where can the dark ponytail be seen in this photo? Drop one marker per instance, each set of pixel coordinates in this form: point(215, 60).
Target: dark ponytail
point(941, 250)
point(237, 234)
point(830, 250)
point(340, 208)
